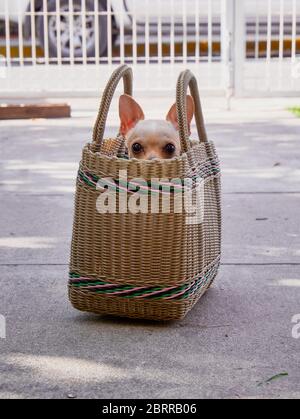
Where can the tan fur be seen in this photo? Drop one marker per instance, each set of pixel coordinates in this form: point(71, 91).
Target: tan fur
point(153, 136)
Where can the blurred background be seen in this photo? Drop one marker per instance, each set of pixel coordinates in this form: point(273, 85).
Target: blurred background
point(69, 47)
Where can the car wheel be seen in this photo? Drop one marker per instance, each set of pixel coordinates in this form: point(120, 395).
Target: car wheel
point(65, 38)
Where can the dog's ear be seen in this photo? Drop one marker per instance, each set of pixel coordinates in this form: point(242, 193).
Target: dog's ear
point(172, 114)
point(130, 113)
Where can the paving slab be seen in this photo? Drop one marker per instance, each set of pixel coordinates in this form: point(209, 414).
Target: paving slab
point(235, 339)
point(257, 156)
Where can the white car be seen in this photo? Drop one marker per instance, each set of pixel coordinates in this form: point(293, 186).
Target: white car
point(19, 10)
point(121, 16)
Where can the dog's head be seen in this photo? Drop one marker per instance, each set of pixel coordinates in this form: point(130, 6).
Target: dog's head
point(151, 139)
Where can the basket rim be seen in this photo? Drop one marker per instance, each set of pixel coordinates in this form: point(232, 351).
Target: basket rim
point(182, 158)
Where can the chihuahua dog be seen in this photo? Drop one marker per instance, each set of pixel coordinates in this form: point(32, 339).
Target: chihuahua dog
point(151, 139)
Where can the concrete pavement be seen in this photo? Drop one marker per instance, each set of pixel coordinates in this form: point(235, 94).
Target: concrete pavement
point(236, 338)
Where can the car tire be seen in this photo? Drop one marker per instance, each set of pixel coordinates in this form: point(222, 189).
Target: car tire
point(77, 31)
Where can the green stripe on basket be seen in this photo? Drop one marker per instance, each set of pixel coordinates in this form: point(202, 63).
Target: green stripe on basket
point(146, 292)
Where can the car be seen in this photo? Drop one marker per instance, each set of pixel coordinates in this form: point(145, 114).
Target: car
point(121, 16)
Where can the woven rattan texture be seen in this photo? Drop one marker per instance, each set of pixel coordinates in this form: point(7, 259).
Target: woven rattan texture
point(146, 249)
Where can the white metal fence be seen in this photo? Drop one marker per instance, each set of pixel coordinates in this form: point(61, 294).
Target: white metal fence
point(64, 47)
point(272, 37)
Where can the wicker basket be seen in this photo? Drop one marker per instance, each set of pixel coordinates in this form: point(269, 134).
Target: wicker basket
point(145, 265)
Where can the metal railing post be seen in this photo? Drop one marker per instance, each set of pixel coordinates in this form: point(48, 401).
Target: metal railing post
point(227, 33)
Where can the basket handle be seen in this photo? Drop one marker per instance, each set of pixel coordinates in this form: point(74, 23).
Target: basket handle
point(187, 79)
point(124, 72)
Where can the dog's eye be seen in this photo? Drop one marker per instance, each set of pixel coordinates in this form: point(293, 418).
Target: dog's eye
point(170, 148)
point(137, 148)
